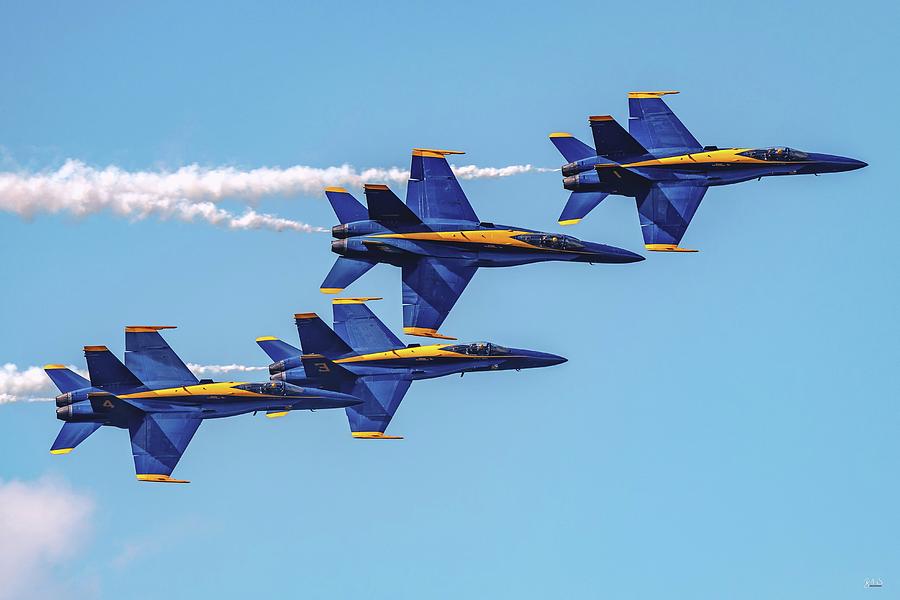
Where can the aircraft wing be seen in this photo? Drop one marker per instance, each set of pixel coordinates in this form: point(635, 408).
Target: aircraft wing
point(656, 127)
point(431, 286)
point(381, 396)
point(151, 358)
point(357, 325)
point(158, 440)
point(433, 191)
point(666, 211)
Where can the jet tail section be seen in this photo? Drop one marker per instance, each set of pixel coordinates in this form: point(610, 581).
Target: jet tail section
point(571, 148)
point(106, 370)
point(344, 272)
point(347, 208)
point(611, 139)
point(579, 205)
point(385, 206)
point(65, 379)
point(318, 338)
point(357, 325)
point(277, 349)
point(71, 435)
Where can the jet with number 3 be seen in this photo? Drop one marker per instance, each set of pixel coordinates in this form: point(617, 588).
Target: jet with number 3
point(363, 358)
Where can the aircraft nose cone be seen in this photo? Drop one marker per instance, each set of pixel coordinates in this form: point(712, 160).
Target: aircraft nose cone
point(853, 164)
point(600, 253)
point(550, 360)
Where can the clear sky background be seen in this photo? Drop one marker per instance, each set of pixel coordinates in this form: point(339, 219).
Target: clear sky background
point(726, 426)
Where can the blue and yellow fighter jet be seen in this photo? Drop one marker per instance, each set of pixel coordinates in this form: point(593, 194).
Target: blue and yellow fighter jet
point(160, 401)
point(658, 162)
point(438, 241)
point(362, 357)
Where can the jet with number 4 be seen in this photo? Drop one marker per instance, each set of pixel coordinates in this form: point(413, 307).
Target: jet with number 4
point(160, 401)
point(659, 163)
point(363, 358)
point(437, 241)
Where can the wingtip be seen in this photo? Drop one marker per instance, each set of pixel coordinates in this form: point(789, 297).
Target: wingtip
point(667, 248)
point(355, 300)
point(267, 338)
point(426, 332)
point(331, 290)
point(569, 222)
point(374, 435)
point(277, 415)
point(61, 450)
point(155, 478)
point(560, 134)
point(656, 94)
point(54, 366)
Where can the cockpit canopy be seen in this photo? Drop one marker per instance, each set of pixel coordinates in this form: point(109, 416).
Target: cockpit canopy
point(273, 388)
point(478, 349)
point(553, 241)
point(779, 154)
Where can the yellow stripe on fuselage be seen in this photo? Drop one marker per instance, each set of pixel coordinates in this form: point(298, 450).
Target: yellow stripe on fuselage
point(430, 351)
point(226, 388)
point(730, 156)
point(499, 237)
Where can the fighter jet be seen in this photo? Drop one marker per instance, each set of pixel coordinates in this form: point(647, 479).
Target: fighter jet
point(437, 241)
point(658, 162)
point(363, 358)
point(160, 401)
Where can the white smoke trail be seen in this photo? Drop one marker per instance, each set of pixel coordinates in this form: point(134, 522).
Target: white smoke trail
point(192, 192)
point(32, 384)
point(208, 369)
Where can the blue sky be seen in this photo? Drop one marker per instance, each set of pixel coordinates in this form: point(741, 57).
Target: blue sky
point(726, 423)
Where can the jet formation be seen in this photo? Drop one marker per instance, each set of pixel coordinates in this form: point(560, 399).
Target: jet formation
point(361, 357)
point(161, 402)
point(660, 164)
point(438, 241)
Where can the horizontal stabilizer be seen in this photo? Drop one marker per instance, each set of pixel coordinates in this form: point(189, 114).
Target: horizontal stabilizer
point(612, 141)
point(571, 148)
point(277, 349)
point(318, 338)
point(347, 208)
point(65, 379)
point(386, 207)
point(344, 272)
point(579, 205)
point(71, 435)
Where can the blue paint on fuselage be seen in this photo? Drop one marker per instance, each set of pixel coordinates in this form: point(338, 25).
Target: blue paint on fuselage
point(362, 239)
point(582, 176)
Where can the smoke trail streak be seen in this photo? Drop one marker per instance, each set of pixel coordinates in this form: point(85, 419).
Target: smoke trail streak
point(192, 192)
